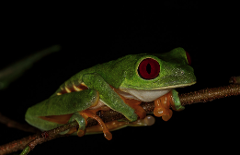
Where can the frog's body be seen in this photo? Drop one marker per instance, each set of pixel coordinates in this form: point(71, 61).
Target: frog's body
point(120, 85)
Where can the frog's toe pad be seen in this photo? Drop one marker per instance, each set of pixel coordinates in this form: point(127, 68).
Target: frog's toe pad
point(158, 112)
point(162, 107)
point(167, 116)
point(147, 121)
point(80, 133)
point(108, 135)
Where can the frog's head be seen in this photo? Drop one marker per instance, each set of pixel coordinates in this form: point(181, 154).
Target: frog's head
point(154, 75)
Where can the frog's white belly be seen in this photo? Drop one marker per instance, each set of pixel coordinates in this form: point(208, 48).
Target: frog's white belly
point(140, 95)
point(143, 95)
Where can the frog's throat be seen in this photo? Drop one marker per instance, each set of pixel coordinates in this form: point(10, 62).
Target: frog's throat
point(148, 95)
point(143, 95)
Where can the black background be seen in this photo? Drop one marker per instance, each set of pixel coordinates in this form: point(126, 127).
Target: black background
point(89, 36)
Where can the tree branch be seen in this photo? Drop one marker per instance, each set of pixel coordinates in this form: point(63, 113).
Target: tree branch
point(209, 94)
point(204, 95)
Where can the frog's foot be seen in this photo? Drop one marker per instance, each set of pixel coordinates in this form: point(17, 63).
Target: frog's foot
point(136, 106)
point(162, 105)
point(92, 114)
point(147, 121)
point(176, 104)
point(133, 104)
point(81, 123)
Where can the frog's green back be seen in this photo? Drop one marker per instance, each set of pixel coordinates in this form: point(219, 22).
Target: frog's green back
point(123, 72)
point(113, 72)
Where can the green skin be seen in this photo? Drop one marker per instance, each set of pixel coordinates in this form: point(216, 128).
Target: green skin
point(122, 74)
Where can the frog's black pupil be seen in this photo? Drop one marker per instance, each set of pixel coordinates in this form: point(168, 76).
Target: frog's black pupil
point(148, 68)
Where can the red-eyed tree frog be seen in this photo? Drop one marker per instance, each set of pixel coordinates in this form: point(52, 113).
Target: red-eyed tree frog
point(120, 85)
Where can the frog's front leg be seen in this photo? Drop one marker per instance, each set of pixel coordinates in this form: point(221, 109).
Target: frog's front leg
point(165, 102)
point(108, 96)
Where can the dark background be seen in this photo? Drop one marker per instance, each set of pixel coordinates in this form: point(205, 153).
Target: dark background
point(89, 36)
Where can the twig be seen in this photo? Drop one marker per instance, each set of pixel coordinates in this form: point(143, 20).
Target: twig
point(13, 124)
point(203, 95)
point(14, 71)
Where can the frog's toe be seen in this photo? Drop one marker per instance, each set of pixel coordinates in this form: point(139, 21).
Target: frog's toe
point(167, 115)
point(81, 123)
point(162, 107)
point(80, 132)
point(91, 114)
point(158, 112)
point(176, 104)
point(108, 135)
point(141, 113)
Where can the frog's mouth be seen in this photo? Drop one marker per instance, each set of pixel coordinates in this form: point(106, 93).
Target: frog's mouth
point(148, 95)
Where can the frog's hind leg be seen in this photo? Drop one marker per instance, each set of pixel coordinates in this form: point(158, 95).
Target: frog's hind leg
point(92, 114)
point(119, 124)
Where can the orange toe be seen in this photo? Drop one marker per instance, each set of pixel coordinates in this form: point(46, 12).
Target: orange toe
point(162, 107)
point(91, 114)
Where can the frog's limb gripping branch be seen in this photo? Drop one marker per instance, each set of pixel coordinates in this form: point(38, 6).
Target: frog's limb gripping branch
point(203, 95)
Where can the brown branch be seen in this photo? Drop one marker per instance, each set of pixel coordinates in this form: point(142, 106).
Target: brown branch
point(203, 95)
point(209, 94)
point(33, 140)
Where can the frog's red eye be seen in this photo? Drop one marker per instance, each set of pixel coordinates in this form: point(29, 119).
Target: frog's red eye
point(188, 58)
point(149, 68)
